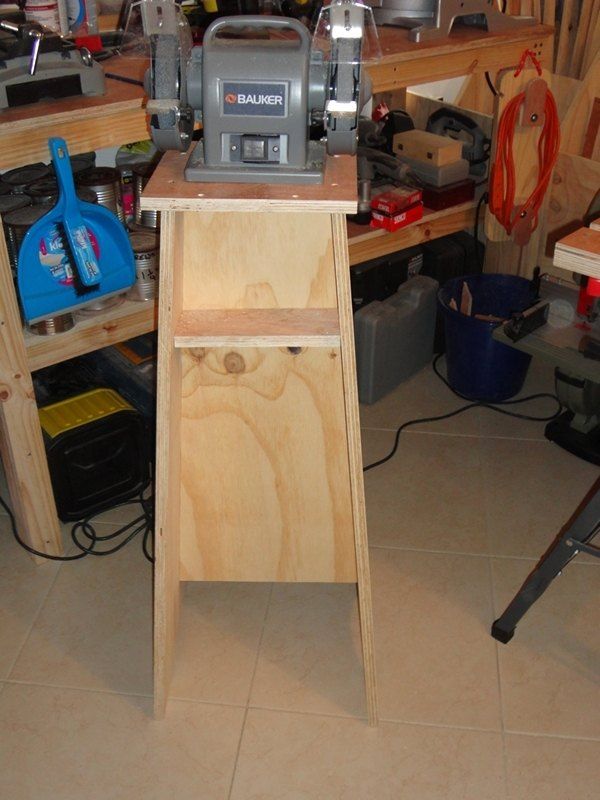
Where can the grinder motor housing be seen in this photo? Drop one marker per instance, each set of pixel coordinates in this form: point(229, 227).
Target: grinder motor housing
point(256, 97)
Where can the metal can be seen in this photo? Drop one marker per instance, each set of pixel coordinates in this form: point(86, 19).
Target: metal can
point(16, 225)
point(141, 176)
point(46, 191)
point(106, 183)
point(20, 178)
point(11, 202)
point(45, 12)
point(145, 253)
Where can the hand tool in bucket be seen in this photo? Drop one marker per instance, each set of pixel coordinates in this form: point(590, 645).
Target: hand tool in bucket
point(74, 254)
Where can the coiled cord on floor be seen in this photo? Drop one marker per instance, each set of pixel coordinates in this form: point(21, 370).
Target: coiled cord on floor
point(473, 404)
point(86, 539)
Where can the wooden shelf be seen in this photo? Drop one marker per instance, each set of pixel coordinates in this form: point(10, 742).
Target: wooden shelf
point(365, 243)
point(86, 123)
point(92, 333)
point(261, 327)
point(464, 52)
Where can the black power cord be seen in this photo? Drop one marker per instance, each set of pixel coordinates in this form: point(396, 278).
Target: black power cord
point(86, 538)
point(472, 404)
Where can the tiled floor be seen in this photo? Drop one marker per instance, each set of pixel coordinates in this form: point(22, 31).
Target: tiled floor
point(268, 697)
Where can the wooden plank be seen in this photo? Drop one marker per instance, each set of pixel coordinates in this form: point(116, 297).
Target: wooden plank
point(91, 333)
point(86, 123)
point(265, 491)
point(579, 252)
point(566, 36)
point(576, 121)
point(583, 25)
point(288, 327)
point(464, 52)
point(366, 243)
point(591, 144)
point(239, 260)
point(421, 108)
point(361, 543)
point(167, 190)
point(168, 412)
point(592, 44)
point(21, 444)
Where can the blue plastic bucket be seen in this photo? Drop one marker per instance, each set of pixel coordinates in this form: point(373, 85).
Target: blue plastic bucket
point(478, 367)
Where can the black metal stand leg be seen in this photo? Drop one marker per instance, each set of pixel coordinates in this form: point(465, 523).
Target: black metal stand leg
point(577, 532)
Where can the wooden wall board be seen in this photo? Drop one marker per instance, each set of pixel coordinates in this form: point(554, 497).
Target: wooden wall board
point(21, 443)
point(265, 492)
point(167, 190)
point(168, 411)
point(239, 260)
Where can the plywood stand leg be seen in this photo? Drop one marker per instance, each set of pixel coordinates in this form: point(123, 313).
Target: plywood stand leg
point(259, 470)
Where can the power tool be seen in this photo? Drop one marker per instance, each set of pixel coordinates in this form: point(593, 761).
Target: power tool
point(434, 19)
point(256, 96)
point(38, 64)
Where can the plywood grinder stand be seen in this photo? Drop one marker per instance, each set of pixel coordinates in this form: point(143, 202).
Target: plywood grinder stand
point(259, 470)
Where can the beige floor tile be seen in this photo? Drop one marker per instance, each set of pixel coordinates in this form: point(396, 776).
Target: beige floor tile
point(540, 378)
point(23, 587)
point(436, 662)
point(95, 628)
point(310, 657)
point(549, 671)
point(423, 395)
point(292, 756)
point(532, 488)
point(429, 496)
point(58, 744)
point(219, 632)
point(541, 768)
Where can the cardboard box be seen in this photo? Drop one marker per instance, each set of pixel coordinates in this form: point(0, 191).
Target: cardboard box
point(395, 200)
point(428, 147)
point(392, 222)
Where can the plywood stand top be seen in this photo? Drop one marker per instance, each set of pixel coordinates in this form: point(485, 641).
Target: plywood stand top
point(167, 190)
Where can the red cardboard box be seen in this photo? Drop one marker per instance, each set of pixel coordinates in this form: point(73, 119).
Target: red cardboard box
point(392, 222)
point(396, 200)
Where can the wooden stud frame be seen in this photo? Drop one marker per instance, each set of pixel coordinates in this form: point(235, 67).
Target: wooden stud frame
point(259, 468)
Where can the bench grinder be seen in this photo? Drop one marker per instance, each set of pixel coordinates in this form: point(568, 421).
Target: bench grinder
point(256, 97)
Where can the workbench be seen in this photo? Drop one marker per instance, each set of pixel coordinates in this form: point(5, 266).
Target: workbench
point(119, 118)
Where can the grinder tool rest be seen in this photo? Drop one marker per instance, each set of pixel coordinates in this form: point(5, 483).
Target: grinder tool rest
point(256, 97)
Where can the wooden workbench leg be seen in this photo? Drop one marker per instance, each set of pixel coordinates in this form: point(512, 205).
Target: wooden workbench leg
point(168, 459)
point(342, 271)
point(21, 443)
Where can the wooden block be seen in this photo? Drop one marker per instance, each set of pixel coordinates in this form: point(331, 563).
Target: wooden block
point(428, 147)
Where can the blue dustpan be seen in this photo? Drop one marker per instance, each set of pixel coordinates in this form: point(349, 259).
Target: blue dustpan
point(75, 254)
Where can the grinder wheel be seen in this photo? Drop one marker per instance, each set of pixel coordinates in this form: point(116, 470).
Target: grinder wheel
point(171, 131)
